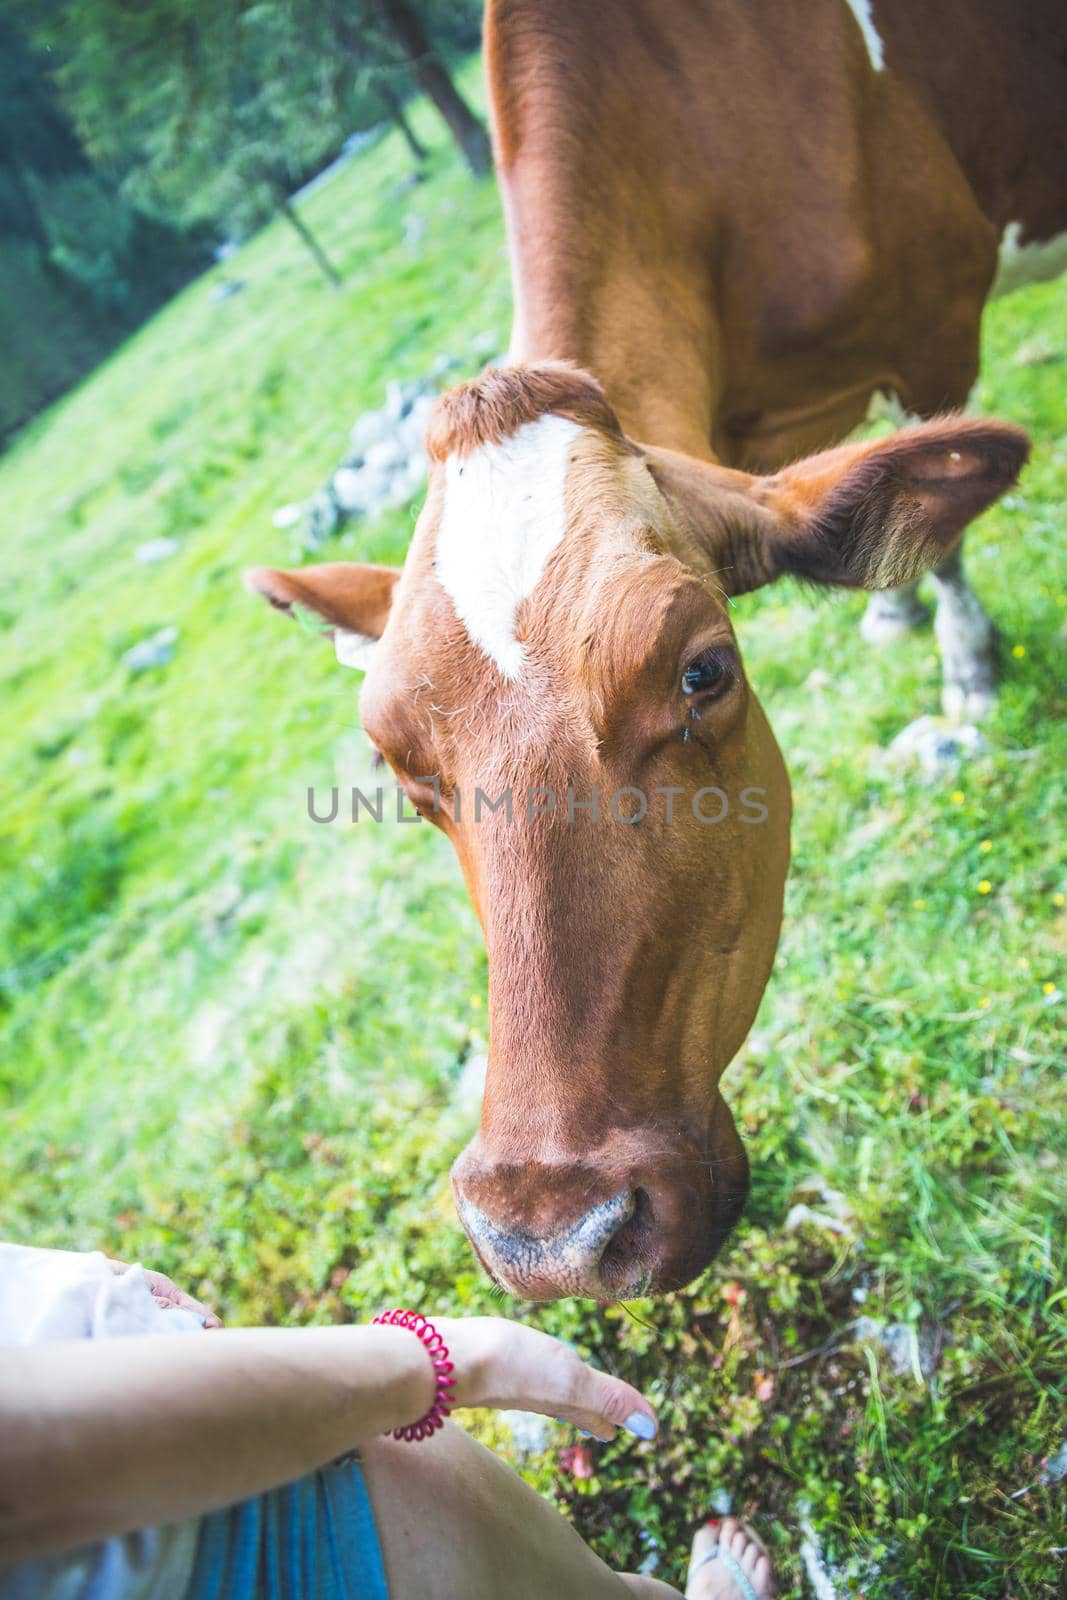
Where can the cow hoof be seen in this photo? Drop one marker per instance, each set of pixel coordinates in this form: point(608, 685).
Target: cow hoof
point(968, 703)
point(890, 616)
point(936, 747)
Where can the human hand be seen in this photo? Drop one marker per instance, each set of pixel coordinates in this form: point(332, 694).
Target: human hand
point(505, 1365)
point(167, 1295)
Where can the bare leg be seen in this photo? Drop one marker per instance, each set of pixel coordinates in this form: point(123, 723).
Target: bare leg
point(968, 643)
point(456, 1524)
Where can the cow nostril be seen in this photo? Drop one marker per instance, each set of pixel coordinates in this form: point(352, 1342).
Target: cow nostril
point(626, 1248)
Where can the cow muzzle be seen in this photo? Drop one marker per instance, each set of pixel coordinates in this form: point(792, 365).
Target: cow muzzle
point(568, 1262)
point(652, 1232)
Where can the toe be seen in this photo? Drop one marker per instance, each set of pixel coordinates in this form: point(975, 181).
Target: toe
point(713, 1580)
point(754, 1539)
point(763, 1578)
point(730, 1533)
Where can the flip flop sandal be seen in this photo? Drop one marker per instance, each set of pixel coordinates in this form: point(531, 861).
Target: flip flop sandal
point(732, 1567)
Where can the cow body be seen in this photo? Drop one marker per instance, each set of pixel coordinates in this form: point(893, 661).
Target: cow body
point(730, 225)
point(747, 220)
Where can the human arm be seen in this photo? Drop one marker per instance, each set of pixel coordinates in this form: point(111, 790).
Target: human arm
point(99, 1437)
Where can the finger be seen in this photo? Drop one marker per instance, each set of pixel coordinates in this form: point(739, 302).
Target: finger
point(612, 1404)
point(167, 1296)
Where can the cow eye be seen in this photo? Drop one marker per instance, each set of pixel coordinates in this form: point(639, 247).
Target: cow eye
point(709, 675)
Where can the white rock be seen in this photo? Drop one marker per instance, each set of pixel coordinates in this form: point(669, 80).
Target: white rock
point(385, 455)
point(349, 489)
point(367, 429)
point(154, 550)
point(470, 1085)
point(800, 1214)
point(155, 651)
point(530, 1431)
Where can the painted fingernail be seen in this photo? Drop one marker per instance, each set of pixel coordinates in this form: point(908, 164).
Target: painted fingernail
point(638, 1423)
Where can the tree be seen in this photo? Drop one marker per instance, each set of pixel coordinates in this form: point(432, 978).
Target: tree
point(394, 107)
point(406, 29)
point(217, 110)
point(391, 36)
point(79, 265)
point(214, 110)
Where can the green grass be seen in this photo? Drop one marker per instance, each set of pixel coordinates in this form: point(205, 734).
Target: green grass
point(229, 1039)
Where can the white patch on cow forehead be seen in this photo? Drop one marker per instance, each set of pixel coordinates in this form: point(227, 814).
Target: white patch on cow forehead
point(503, 517)
point(864, 15)
point(1034, 262)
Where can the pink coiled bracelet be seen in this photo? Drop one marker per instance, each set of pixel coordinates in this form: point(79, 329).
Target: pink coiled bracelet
point(444, 1398)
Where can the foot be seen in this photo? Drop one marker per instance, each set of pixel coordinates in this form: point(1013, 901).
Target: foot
point(729, 1563)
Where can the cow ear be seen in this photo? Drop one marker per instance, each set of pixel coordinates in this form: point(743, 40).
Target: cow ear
point(352, 598)
point(873, 516)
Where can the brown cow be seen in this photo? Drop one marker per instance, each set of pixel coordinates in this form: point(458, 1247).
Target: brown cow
point(743, 224)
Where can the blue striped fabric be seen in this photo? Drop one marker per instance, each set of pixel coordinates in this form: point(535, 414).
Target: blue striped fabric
point(311, 1540)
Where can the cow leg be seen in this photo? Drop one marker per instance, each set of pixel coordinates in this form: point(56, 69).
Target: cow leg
point(965, 634)
point(891, 613)
point(968, 642)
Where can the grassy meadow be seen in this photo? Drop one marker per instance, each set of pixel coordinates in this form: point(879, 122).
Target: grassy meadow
point(230, 1040)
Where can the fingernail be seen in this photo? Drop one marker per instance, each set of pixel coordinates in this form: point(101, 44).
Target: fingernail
point(638, 1423)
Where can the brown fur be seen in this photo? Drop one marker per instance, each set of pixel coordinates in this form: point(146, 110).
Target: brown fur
point(625, 963)
point(725, 222)
point(742, 229)
point(501, 400)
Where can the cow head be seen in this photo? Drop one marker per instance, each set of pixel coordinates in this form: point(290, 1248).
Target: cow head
point(557, 685)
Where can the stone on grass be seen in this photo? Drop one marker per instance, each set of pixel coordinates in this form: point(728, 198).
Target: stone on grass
point(225, 289)
point(531, 1432)
point(385, 466)
point(909, 1350)
point(154, 550)
point(801, 1215)
point(323, 519)
point(470, 1085)
point(155, 651)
